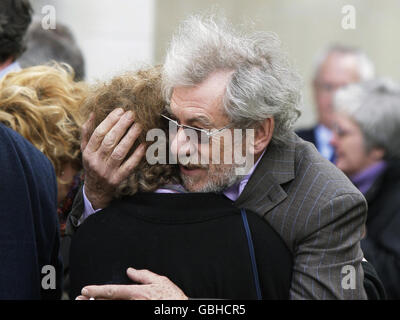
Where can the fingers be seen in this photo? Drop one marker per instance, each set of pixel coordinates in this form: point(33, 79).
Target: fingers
point(151, 287)
point(143, 276)
point(87, 129)
point(123, 147)
point(131, 163)
point(113, 137)
point(109, 292)
point(103, 128)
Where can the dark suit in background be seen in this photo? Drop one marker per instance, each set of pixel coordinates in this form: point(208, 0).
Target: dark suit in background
point(308, 135)
point(381, 245)
point(29, 230)
point(320, 142)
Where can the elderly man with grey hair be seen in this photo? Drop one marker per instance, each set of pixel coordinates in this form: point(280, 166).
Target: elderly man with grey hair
point(217, 78)
point(366, 138)
point(335, 67)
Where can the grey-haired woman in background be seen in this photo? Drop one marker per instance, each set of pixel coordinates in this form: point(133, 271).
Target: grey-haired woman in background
point(367, 144)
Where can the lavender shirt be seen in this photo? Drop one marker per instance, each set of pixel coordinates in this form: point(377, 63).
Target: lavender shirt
point(364, 180)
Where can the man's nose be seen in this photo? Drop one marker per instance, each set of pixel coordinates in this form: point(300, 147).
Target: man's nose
point(180, 143)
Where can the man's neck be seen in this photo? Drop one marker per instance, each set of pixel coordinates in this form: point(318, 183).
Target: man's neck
point(365, 178)
point(234, 191)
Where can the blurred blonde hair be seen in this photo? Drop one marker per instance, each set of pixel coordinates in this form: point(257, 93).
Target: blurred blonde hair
point(42, 104)
point(141, 93)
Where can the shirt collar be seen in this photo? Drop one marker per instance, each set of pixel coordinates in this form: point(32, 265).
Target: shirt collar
point(233, 192)
point(324, 132)
point(365, 179)
point(323, 137)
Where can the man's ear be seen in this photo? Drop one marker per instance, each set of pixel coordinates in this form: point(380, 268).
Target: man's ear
point(263, 135)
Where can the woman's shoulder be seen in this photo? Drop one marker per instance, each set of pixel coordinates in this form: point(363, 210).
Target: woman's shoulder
point(165, 208)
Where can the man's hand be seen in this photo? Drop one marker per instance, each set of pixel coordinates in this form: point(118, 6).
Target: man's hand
point(152, 287)
point(104, 151)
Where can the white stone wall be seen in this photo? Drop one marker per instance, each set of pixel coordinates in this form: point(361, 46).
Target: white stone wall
point(115, 35)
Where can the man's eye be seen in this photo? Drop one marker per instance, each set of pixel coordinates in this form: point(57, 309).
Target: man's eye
point(170, 117)
point(200, 128)
point(173, 118)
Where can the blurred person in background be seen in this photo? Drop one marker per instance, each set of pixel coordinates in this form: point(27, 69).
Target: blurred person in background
point(47, 45)
point(337, 66)
point(29, 230)
point(367, 144)
point(42, 104)
point(15, 17)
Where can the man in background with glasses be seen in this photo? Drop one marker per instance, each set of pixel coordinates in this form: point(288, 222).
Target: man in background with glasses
point(336, 67)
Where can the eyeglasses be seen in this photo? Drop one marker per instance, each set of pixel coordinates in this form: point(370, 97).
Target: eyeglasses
point(340, 131)
point(207, 133)
point(327, 87)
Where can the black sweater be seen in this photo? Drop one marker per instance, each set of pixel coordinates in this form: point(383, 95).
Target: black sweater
point(197, 240)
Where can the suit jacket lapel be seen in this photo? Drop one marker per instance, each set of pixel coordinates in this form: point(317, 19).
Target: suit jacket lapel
point(263, 190)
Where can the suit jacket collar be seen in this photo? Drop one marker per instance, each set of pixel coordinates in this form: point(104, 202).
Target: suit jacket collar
point(263, 191)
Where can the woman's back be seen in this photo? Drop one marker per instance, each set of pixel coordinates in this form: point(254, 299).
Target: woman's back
point(197, 240)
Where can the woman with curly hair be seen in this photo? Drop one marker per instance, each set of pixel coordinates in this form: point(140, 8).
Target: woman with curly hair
point(42, 104)
point(140, 93)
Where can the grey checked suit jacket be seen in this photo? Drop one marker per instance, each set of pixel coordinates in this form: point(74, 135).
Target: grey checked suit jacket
point(316, 210)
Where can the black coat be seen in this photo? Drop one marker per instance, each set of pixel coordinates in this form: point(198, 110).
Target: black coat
point(197, 240)
point(381, 246)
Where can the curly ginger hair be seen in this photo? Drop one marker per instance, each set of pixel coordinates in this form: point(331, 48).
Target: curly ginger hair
point(140, 92)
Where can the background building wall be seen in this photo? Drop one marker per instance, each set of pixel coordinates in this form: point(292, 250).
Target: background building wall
point(118, 35)
point(114, 35)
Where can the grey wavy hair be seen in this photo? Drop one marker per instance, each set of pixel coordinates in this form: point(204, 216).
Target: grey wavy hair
point(375, 107)
point(365, 67)
point(262, 85)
